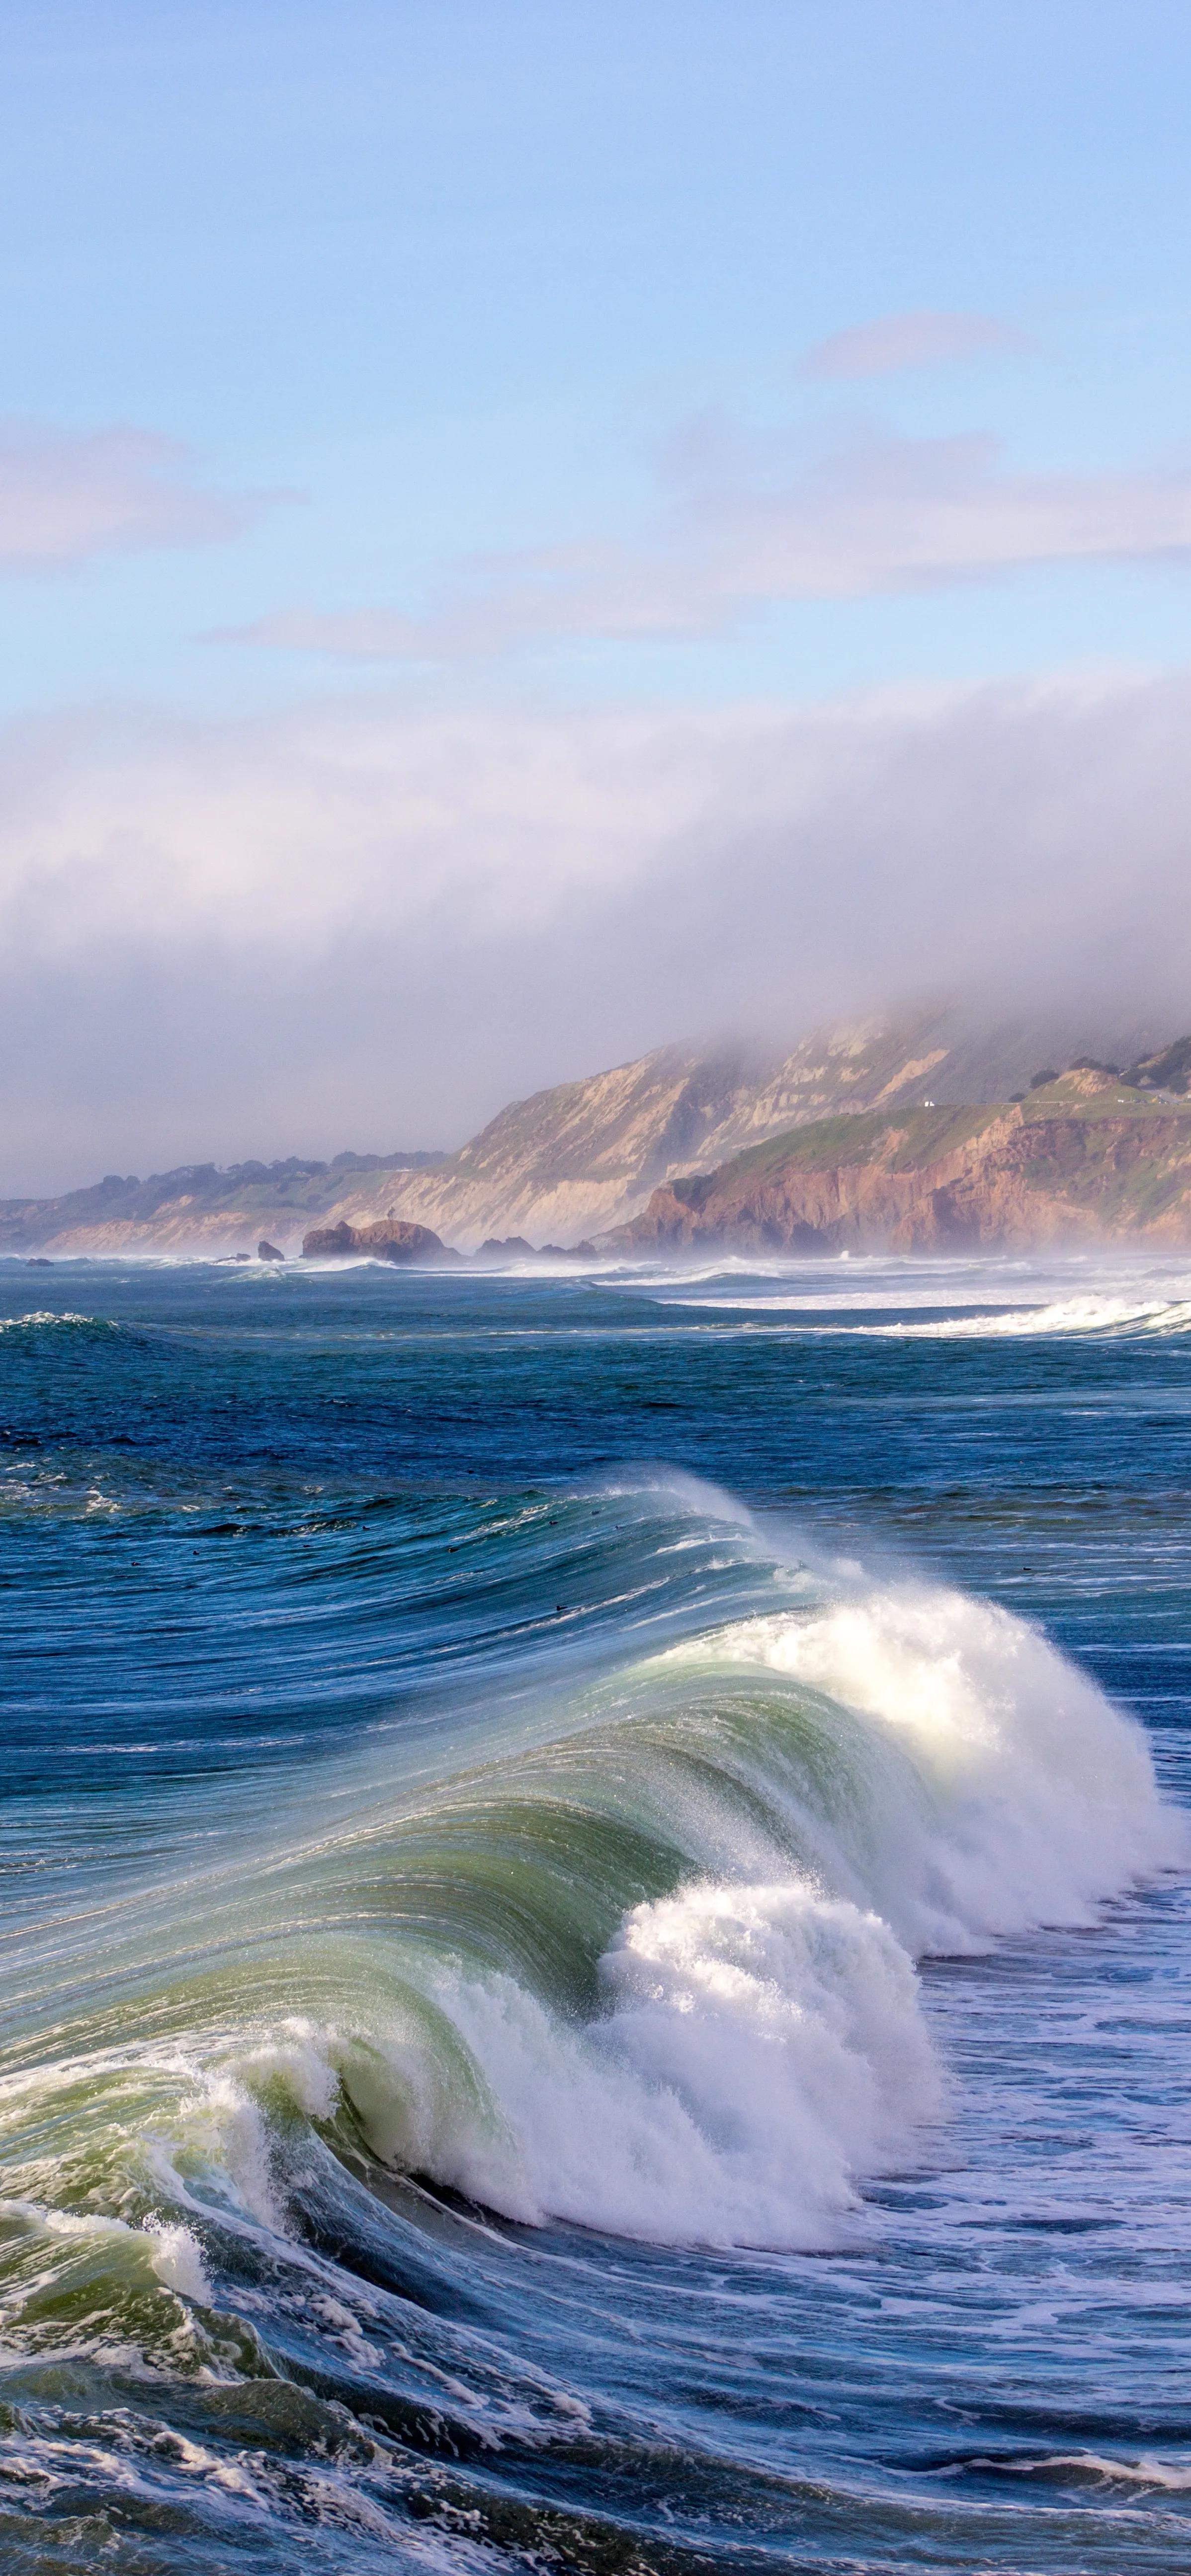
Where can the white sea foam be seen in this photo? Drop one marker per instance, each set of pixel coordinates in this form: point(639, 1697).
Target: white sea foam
point(38, 1321)
point(227, 2124)
point(1015, 1795)
point(762, 2047)
point(178, 2260)
point(1147, 2471)
point(174, 2251)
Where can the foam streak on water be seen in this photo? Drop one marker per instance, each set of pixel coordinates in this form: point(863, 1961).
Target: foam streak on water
point(558, 2016)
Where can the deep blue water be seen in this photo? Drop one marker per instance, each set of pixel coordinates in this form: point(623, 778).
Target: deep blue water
point(594, 1969)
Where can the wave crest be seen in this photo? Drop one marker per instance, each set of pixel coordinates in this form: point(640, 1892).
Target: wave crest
point(761, 2047)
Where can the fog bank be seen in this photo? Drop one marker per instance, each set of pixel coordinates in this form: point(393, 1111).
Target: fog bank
point(369, 923)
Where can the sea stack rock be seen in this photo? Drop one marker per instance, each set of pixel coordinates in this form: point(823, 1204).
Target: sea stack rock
point(268, 1252)
point(390, 1239)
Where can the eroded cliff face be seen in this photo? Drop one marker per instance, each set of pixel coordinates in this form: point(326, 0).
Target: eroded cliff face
point(1081, 1158)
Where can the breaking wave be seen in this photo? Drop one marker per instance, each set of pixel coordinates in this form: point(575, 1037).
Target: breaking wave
point(653, 1974)
point(1087, 1314)
point(46, 1322)
point(1066, 1315)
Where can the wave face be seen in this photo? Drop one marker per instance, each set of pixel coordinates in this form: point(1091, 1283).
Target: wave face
point(511, 1971)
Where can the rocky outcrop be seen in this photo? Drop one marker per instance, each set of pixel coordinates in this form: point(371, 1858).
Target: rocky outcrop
point(390, 1239)
point(266, 1251)
point(1083, 1156)
point(513, 1247)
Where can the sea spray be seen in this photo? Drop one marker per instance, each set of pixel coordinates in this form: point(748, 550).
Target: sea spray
point(1038, 1797)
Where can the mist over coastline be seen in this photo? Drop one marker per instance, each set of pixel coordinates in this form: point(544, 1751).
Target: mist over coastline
point(366, 923)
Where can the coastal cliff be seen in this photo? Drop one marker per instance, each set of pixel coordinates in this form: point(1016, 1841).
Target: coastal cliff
point(588, 1158)
point(578, 1157)
point(1082, 1156)
point(585, 1156)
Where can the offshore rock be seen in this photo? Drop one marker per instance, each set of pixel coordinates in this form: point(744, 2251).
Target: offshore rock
point(513, 1247)
point(268, 1252)
point(391, 1238)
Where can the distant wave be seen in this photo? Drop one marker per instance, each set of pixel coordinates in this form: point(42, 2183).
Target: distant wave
point(1086, 1314)
point(45, 1322)
point(1067, 1315)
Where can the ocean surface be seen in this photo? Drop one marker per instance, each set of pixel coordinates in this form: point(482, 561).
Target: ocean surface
point(596, 1919)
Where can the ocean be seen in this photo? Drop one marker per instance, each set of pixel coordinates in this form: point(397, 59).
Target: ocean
point(596, 1918)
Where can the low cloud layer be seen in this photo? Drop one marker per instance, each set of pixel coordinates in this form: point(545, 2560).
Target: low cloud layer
point(67, 496)
point(902, 340)
point(363, 925)
point(745, 532)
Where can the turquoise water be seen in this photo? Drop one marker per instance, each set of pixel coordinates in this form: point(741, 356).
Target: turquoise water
point(595, 1918)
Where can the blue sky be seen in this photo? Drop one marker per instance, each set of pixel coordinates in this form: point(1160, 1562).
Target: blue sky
point(482, 366)
point(447, 280)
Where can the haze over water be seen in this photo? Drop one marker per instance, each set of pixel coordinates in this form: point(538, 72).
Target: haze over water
point(596, 1917)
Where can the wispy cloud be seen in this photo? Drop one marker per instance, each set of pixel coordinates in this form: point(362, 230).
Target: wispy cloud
point(901, 340)
point(67, 495)
point(361, 923)
point(894, 514)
